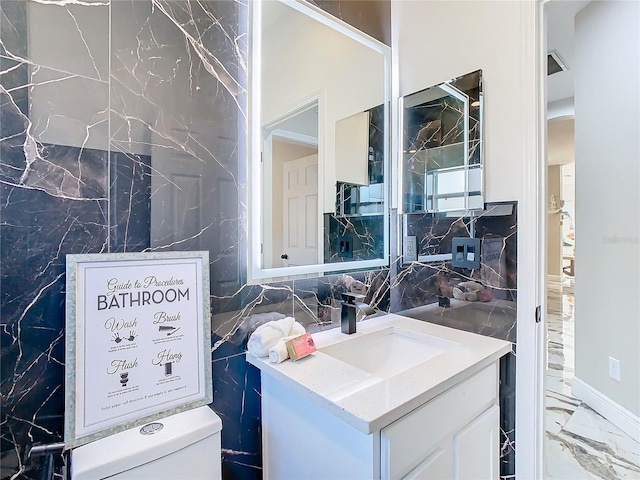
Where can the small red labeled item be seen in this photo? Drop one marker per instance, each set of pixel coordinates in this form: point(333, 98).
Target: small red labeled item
point(300, 347)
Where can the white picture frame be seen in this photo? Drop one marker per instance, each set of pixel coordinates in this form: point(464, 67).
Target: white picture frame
point(138, 340)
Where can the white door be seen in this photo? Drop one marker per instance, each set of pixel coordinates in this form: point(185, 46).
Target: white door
point(300, 211)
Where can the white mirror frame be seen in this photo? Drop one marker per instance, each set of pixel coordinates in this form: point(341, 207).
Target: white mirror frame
point(257, 274)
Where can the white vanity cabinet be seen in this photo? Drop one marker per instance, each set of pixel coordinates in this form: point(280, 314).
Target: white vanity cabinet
point(453, 436)
point(400, 398)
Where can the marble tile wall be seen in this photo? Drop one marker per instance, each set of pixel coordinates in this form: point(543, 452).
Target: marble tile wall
point(417, 286)
point(123, 129)
point(364, 233)
point(109, 111)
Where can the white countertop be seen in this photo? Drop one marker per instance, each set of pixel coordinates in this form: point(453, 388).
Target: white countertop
point(368, 402)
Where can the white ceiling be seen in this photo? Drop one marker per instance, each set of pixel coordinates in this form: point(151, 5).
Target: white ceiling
point(560, 20)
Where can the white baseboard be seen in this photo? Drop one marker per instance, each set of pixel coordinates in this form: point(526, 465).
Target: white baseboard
point(615, 413)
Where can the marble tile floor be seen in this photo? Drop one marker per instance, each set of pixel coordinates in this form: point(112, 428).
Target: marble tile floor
point(580, 444)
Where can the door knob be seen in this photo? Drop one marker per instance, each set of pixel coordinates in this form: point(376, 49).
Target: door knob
point(284, 256)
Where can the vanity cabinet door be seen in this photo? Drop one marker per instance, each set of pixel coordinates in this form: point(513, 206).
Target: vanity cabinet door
point(475, 448)
point(436, 465)
point(432, 441)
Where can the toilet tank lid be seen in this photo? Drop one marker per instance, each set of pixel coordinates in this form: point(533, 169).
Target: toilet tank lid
point(128, 449)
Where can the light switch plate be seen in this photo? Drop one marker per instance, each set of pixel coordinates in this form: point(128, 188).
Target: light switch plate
point(345, 246)
point(465, 252)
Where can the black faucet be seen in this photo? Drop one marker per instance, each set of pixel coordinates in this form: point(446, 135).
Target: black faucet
point(348, 314)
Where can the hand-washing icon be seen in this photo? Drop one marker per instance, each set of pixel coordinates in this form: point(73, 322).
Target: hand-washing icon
point(117, 338)
point(132, 336)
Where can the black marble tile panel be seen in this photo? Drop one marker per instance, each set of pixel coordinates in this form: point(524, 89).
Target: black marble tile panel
point(416, 286)
point(434, 232)
point(365, 235)
point(236, 400)
point(231, 329)
point(130, 202)
point(62, 210)
point(83, 50)
point(13, 29)
point(317, 300)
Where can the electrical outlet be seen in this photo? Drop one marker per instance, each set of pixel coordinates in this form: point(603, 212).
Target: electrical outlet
point(409, 249)
point(614, 368)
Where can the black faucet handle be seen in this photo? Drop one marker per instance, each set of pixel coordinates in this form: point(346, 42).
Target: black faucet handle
point(350, 297)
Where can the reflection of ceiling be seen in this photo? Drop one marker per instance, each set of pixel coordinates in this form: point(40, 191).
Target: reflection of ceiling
point(272, 13)
point(305, 123)
point(560, 141)
point(560, 21)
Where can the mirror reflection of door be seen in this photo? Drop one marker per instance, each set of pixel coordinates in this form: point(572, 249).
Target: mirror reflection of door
point(300, 211)
point(291, 220)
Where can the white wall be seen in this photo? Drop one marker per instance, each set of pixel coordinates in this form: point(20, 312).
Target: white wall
point(434, 41)
point(441, 40)
point(607, 101)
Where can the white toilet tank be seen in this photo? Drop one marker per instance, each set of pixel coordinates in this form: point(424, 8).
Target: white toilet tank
point(187, 447)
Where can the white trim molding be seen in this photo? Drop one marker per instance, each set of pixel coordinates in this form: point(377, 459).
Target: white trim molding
point(532, 235)
point(612, 411)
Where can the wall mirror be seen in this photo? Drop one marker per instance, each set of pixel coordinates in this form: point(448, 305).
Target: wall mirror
point(442, 147)
point(319, 96)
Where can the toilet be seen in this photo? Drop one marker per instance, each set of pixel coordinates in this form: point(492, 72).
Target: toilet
point(183, 446)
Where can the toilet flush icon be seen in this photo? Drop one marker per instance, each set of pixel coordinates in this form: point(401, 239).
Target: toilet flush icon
point(124, 378)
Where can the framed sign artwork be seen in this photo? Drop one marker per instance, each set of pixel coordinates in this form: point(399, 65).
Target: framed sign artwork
point(138, 340)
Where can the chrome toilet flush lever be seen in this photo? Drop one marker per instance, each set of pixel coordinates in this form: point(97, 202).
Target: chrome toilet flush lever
point(348, 313)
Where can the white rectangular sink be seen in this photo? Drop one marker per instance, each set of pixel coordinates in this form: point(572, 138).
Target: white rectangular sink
point(391, 366)
point(388, 352)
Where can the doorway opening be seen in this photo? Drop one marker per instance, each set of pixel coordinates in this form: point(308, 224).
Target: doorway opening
point(591, 420)
point(290, 175)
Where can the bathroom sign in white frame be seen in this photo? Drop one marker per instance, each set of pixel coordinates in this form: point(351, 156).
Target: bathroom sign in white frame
point(138, 345)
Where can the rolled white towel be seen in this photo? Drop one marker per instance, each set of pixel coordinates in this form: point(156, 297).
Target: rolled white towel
point(278, 353)
point(297, 329)
point(267, 335)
